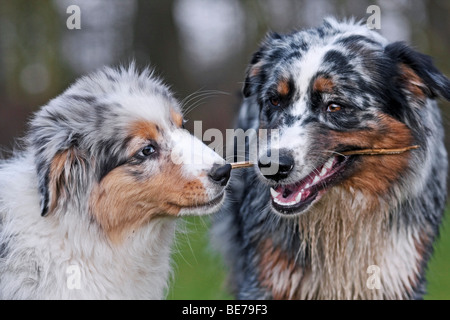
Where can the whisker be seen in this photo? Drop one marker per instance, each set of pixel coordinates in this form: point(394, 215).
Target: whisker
point(198, 93)
point(200, 97)
point(201, 93)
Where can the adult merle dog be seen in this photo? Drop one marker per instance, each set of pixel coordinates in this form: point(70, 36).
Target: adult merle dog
point(328, 225)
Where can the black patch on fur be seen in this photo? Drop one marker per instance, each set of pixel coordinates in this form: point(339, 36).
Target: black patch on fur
point(295, 46)
point(108, 160)
point(100, 111)
point(56, 117)
point(4, 243)
point(340, 62)
point(84, 99)
point(43, 174)
point(351, 40)
point(3, 249)
point(294, 55)
point(138, 175)
point(289, 120)
point(308, 120)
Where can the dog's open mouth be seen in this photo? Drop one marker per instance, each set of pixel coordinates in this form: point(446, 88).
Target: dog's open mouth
point(297, 197)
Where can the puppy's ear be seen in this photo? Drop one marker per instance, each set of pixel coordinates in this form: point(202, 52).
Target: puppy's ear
point(417, 72)
point(59, 178)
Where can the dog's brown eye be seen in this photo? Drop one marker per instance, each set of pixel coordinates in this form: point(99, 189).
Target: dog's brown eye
point(333, 107)
point(275, 101)
point(148, 150)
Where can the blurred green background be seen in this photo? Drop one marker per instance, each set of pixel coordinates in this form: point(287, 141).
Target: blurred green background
point(194, 45)
point(438, 274)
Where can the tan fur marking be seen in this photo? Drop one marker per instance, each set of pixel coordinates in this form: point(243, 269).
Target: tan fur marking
point(145, 130)
point(378, 172)
point(420, 244)
point(323, 84)
point(56, 179)
point(283, 87)
point(59, 175)
point(176, 117)
point(255, 69)
point(121, 202)
point(278, 273)
point(413, 82)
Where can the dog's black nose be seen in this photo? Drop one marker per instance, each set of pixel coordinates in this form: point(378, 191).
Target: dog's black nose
point(277, 169)
point(220, 173)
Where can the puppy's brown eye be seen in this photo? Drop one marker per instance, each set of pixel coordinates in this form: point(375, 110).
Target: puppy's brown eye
point(148, 150)
point(275, 101)
point(333, 107)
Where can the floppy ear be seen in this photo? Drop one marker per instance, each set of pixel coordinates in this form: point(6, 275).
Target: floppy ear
point(60, 177)
point(253, 70)
point(418, 73)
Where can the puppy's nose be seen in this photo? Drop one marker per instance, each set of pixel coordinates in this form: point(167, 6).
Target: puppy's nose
point(285, 163)
point(220, 173)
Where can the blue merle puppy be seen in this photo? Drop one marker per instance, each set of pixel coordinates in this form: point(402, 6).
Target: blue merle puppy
point(328, 225)
point(89, 207)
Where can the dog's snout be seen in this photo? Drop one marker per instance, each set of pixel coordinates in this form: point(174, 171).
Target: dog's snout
point(284, 165)
point(220, 173)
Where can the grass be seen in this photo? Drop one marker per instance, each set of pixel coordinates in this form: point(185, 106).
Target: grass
point(200, 274)
point(199, 271)
point(438, 274)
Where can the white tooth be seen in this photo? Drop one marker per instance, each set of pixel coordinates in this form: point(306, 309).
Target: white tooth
point(316, 179)
point(274, 193)
point(291, 203)
point(329, 163)
point(277, 201)
point(307, 186)
point(298, 197)
point(323, 172)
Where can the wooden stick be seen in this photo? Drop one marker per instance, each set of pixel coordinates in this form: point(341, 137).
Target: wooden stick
point(372, 152)
point(243, 164)
point(369, 152)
